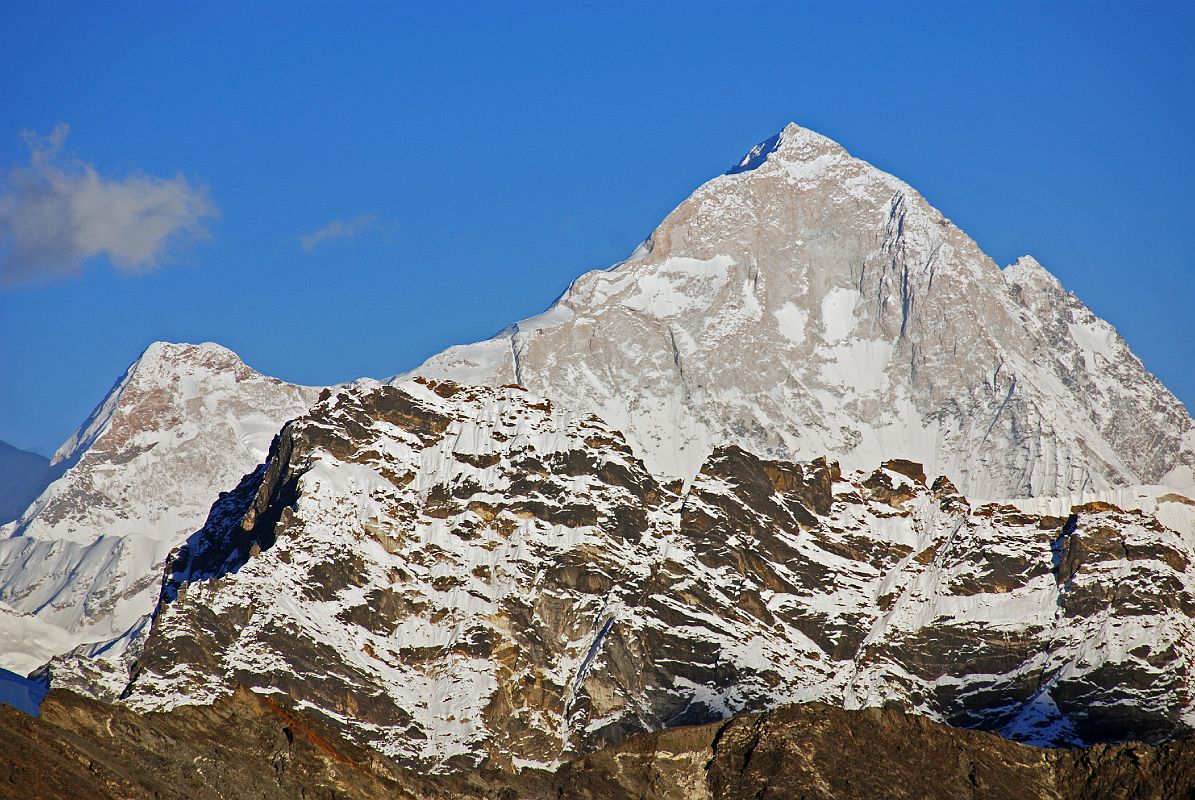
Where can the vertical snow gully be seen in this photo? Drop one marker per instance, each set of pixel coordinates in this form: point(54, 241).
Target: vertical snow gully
point(894, 233)
point(516, 362)
point(906, 299)
point(676, 361)
point(1012, 387)
point(931, 266)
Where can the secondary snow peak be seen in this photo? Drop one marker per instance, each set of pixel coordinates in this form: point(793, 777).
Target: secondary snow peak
point(80, 565)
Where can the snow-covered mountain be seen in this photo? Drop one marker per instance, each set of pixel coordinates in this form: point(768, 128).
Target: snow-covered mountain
point(83, 564)
point(807, 303)
point(717, 477)
point(461, 574)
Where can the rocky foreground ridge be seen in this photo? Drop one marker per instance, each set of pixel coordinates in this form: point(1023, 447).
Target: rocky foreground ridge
point(461, 576)
point(250, 747)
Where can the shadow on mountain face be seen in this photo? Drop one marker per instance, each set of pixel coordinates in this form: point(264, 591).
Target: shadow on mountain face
point(23, 476)
point(240, 524)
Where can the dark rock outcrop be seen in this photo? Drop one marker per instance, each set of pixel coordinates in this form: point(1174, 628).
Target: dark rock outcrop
point(818, 752)
point(254, 747)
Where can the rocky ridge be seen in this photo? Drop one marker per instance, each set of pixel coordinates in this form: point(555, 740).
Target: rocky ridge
point(251, 747)
point(461, 575)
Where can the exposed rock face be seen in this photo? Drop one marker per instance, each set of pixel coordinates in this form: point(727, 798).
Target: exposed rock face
point(246, 747)
point(256, 748)
point(82, 566)
point(824, 753)
point(460, 576)
point(806, 304)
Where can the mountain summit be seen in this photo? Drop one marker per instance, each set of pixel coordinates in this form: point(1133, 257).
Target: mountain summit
point(807, 303)
point(82, 564)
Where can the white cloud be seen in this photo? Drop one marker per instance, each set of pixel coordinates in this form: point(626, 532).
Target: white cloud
point(339, 229)
point(58, 213)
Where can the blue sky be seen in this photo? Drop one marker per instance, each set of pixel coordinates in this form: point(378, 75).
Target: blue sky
point(379, 181)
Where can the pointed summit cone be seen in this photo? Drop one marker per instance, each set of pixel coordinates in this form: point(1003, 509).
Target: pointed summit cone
point(808, 303)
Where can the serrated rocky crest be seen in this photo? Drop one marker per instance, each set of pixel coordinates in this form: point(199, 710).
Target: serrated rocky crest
point(461, 575)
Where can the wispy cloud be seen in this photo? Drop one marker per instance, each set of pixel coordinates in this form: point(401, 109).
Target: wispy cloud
point(57, 213)
point(339, 229)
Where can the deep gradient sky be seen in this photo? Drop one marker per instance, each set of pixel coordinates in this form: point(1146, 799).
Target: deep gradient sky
point(478, 157)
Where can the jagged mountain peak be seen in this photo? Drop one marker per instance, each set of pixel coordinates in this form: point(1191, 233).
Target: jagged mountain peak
point(174, 400)
point(791, 144)
point(504, 567)
point(162, 355)
point(81, 563)
point(809, 303)
point(162, 365)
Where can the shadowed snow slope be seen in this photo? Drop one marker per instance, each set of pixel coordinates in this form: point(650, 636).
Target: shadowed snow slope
point(807, 304)
point(22, 476)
